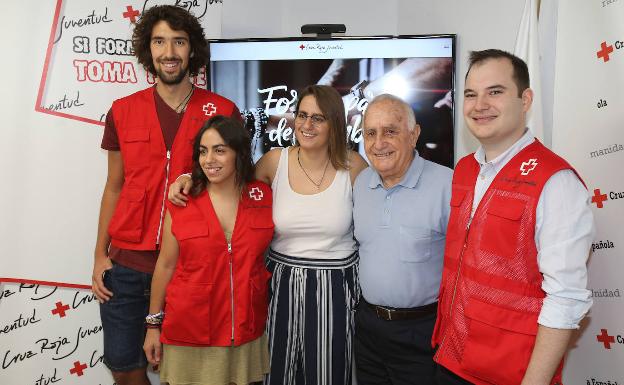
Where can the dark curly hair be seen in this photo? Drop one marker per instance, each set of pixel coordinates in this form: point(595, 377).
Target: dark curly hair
point(237, 138)
point(178, 19)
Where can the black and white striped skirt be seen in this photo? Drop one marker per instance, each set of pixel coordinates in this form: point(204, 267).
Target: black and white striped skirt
point(310, 323)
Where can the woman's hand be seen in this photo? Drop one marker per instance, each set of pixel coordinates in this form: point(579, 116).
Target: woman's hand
point(152, 346)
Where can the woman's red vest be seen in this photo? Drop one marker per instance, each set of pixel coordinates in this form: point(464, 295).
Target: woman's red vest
point(148, 167)
point(491, 295)
point(218, 293)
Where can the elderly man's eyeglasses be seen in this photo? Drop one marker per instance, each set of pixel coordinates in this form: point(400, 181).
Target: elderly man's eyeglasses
point(315, 119)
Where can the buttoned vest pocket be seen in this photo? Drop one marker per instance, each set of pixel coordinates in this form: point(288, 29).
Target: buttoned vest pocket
point(136, 147)
point(502, 226)
point(499, 343)
point(127, 221)
point(188, 313)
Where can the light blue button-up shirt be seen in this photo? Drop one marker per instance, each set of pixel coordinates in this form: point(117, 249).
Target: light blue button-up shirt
point(401, 232)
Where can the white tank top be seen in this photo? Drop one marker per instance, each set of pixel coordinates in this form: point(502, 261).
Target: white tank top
point(317, 226)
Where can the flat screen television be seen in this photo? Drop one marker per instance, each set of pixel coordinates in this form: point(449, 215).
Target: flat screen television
point(263, 77)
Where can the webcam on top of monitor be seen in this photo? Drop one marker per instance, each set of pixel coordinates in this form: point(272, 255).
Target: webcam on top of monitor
point(323, 30)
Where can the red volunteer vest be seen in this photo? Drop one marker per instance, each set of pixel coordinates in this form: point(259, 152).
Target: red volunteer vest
point(490, 295)
point(218, 294)
point(148, 166)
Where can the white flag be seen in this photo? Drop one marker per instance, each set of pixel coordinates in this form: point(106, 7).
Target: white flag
point(527, 48)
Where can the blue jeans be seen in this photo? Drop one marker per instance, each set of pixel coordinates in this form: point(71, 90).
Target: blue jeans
point(123, 318)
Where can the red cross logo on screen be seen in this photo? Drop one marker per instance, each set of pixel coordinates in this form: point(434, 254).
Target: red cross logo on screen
point(60, 309)
point(598, 198)
point(256, 194)
point(78, 368)
point(130, 13)
point(209, 109)
point(605, 338)
point(604, 52)
point(528, 166)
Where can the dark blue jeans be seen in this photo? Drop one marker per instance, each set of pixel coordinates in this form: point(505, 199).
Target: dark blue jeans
point(123, 318)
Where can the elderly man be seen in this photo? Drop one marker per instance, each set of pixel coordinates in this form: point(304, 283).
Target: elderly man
point(401, 208)
point(514, 282)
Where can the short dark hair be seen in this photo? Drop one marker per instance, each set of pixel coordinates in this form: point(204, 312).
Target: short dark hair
point(237, 138)
point(520, 69)
point(332, 107)
point(179, 19)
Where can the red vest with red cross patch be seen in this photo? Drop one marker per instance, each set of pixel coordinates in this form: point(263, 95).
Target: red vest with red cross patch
point(218, 293)
point(491, 295)
point(148, 166)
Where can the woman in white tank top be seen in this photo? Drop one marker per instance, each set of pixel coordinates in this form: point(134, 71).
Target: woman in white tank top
point(313, 254)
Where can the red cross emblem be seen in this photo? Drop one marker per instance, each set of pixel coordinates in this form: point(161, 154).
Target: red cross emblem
point(209, 109)
point(256, 194)
point(528, 166)
point(60, 309)
point(78, 368)
point(130, 13)
point(598, 198)
point(604, 52)
point(302, 47)
point(605, 338)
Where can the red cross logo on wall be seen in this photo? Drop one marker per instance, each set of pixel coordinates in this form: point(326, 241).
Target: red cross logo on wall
point(605, 338)
point(528, 166)
point(604, 52)
point(301, 47)
point(60, 309)
point(598, 198)
point(78, 368)
point(131, 13)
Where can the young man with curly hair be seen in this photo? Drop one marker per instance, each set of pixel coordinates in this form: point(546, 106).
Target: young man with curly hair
point(148, 136)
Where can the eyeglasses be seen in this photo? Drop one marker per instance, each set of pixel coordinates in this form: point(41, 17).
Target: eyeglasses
point(315, 119)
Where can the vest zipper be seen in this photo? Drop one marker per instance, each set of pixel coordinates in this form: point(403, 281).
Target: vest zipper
point(162, 207)
point(229, 245)
point(459, 264)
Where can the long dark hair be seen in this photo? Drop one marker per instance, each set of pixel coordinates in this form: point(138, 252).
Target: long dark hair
point(237, 138)
point(331, 105)
point(179, 19)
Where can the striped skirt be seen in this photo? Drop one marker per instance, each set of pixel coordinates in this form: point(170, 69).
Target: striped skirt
point(310, 323)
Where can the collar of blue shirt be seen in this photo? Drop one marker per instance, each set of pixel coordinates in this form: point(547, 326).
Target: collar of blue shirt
point(409, 180)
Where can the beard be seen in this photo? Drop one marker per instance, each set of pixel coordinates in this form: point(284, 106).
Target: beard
point(171, 79)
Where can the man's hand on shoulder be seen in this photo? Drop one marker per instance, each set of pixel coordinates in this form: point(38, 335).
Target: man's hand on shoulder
point(179, 190)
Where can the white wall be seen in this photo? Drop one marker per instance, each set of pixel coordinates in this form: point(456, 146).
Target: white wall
point(52, 169)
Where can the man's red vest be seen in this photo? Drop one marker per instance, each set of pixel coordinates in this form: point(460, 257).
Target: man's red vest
point(491, 295)
point(149, 167)
point(218, 293)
